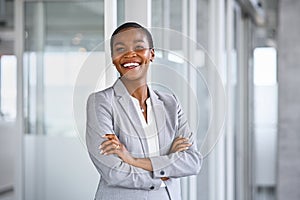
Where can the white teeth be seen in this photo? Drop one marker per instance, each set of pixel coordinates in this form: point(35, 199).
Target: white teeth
point(131, 64)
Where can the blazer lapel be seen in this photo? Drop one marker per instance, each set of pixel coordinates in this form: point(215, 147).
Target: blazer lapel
point(160, 118)
point(130, 112)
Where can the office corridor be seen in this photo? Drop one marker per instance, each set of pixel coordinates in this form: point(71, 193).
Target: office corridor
point(232, 64)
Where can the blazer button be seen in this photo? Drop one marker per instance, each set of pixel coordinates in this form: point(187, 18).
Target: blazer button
point(162, 172)
point(152, 187)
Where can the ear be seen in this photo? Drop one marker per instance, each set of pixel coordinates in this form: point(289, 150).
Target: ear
point(152, 55)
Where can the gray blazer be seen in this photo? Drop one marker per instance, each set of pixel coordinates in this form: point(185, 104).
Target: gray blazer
point(112, 111)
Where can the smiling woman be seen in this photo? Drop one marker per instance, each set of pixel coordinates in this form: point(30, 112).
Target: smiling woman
point(138, 138)
point(130, 51)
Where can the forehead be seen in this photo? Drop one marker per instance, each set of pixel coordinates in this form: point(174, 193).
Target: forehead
point(129, 36)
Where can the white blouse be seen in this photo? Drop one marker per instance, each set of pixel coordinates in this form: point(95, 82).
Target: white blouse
point(149, 128)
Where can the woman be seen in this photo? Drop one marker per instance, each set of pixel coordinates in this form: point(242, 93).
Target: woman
point(138, 139)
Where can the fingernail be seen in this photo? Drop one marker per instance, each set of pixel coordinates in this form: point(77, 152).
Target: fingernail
point(101, 152)
point(186, 147)
point(100, 146)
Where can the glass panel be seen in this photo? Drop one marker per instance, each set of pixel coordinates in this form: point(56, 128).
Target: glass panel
point(265, 121)
point(202, 23)
point(8, 87)
point(170, 58)
point(202, 93)
point(176, 23)
point(168, 14)
point(265, 70)
point(7, 14)
point(59, 36)
point(120, 12)
point(178, 68)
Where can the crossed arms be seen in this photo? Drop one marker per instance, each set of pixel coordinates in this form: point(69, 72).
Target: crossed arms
point(119, 168)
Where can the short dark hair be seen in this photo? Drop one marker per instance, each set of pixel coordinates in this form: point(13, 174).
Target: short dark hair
point(131, 25)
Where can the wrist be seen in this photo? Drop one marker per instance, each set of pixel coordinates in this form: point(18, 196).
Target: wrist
point(133, 161)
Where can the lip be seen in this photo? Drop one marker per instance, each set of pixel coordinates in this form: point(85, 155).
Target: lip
point(131, 64)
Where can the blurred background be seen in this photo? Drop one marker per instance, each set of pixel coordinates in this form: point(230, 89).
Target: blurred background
point(53, 53)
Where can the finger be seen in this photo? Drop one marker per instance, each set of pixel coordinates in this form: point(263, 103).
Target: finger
point(105, 143)
point(184, 139)
point(115, 142)
point(109, 142)
point(117, 146)
point(107, 148)
point(113, 148)
point(110, 151)
point(179, 141)
point(181, 149)
point(183, 145)
point(111, 137)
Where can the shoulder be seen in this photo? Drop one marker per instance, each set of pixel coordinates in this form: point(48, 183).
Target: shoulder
point(106, 93)
point(103, 96)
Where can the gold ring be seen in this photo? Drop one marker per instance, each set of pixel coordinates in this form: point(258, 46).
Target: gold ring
point(117, 147)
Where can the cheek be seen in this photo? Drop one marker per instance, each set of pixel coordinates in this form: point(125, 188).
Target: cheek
point(115, 60)
point(147, 56)
point(116, 64)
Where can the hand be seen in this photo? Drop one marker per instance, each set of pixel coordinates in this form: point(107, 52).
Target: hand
point(180, 144)
point(114, 146)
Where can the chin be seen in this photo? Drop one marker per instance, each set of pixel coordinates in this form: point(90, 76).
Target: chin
point(133, 77)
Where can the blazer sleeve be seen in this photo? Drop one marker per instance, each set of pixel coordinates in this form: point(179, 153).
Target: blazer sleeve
point(179, 164)
point(112, 169)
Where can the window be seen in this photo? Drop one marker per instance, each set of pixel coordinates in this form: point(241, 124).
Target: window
point(8, 87)
point(58, 38)
point(265, 121)
point(265, 68)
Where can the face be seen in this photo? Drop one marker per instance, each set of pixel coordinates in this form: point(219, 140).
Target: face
point(131, 54)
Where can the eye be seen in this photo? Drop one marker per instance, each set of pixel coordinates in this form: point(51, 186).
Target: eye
point(120, 49)
point(139, 47)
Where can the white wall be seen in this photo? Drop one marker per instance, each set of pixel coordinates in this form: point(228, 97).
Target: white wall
point(288, 172)
point(58, 168)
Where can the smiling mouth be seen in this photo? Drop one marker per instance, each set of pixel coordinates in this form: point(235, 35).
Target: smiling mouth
point(131, 65)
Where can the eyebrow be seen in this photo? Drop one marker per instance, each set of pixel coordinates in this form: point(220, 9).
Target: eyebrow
point(119, 43)
point(135, 41)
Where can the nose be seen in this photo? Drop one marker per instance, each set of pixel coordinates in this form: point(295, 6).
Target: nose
point(130, 54)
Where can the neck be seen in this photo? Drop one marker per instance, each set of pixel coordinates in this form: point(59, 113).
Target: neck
point(137, 89)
